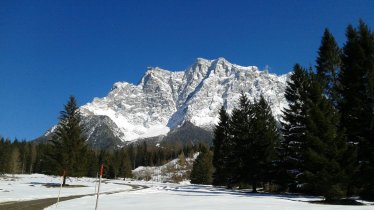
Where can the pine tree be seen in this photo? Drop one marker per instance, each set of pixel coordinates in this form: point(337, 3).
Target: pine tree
point(132, 154)
point(126, 166)
point(291, 149)
point(42, 158)
point(202, 169)
point(357, 99)
point(220, 142)
point(328, 65)
point(239, 162)
point(93, 164)
point(262, 148)
point(253, 134)
point(68, 143)
point(324, 148)
point(5, 155)
point(115, 164)
point(2, 155)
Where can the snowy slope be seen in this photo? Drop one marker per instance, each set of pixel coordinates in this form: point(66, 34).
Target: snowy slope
point(164, 100)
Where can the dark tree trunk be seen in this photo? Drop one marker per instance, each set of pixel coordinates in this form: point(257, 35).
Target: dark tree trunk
point(64, 180)
point(254, 186)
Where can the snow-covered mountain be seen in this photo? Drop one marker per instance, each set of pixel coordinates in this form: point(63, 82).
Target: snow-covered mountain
point(164, 100)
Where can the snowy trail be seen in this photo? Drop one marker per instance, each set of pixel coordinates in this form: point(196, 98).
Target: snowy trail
point(39, 186)
point(33, 204)
point(40, 204)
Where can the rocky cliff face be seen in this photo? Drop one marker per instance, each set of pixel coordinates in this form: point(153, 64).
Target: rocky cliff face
point(165, 100)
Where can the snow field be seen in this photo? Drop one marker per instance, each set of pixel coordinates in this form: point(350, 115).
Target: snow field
point(30, 187)
point(197, 197)
point(158, 196)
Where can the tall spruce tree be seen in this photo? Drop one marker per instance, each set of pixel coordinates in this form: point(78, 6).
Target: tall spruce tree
point(253, 130)
point(241, 130)
point(328, 65)
point(221, 142)
point(292, 145)
point(324, 148)
point(126, 165)
point(357, 100)
point(262, 149)
point(68, 143)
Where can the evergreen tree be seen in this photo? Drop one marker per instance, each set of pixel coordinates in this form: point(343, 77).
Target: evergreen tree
point(132, 154)
point(324, 148)
point(93, 164)
point(115, 164)
point(328, 65)
point(262, 148)
point(291, 149)
point(1, 155)
point(253, 134)
point(357, 99)
point(220, 141)
point(111, 171)
point(5, 155)
point(202, 169)
point(239, 159)
point(126, 166)
point(40, 157)
point(68, 143)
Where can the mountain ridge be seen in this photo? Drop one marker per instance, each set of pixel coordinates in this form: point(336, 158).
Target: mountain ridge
point(165, 100)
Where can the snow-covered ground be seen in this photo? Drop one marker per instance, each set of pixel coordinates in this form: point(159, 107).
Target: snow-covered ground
point(185, 197)
point(30, 187)
point(163, 196)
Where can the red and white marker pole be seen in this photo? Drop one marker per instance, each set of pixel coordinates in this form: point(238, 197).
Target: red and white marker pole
point(98, 189)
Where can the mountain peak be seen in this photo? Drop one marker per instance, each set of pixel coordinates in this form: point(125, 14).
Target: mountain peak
point(164, 100)
point(221, 60)
point(204, 61)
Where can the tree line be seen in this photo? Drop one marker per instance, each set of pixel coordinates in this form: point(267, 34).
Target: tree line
point(24, 157)
point(324, 144)
point(68, 154)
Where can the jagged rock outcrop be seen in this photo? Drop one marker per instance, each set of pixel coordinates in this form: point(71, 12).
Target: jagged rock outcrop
point(165, 100)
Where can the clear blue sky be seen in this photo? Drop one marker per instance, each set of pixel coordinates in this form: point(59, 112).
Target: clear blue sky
point(50, 49)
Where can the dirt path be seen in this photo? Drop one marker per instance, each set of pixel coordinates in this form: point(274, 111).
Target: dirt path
point(40, 204)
